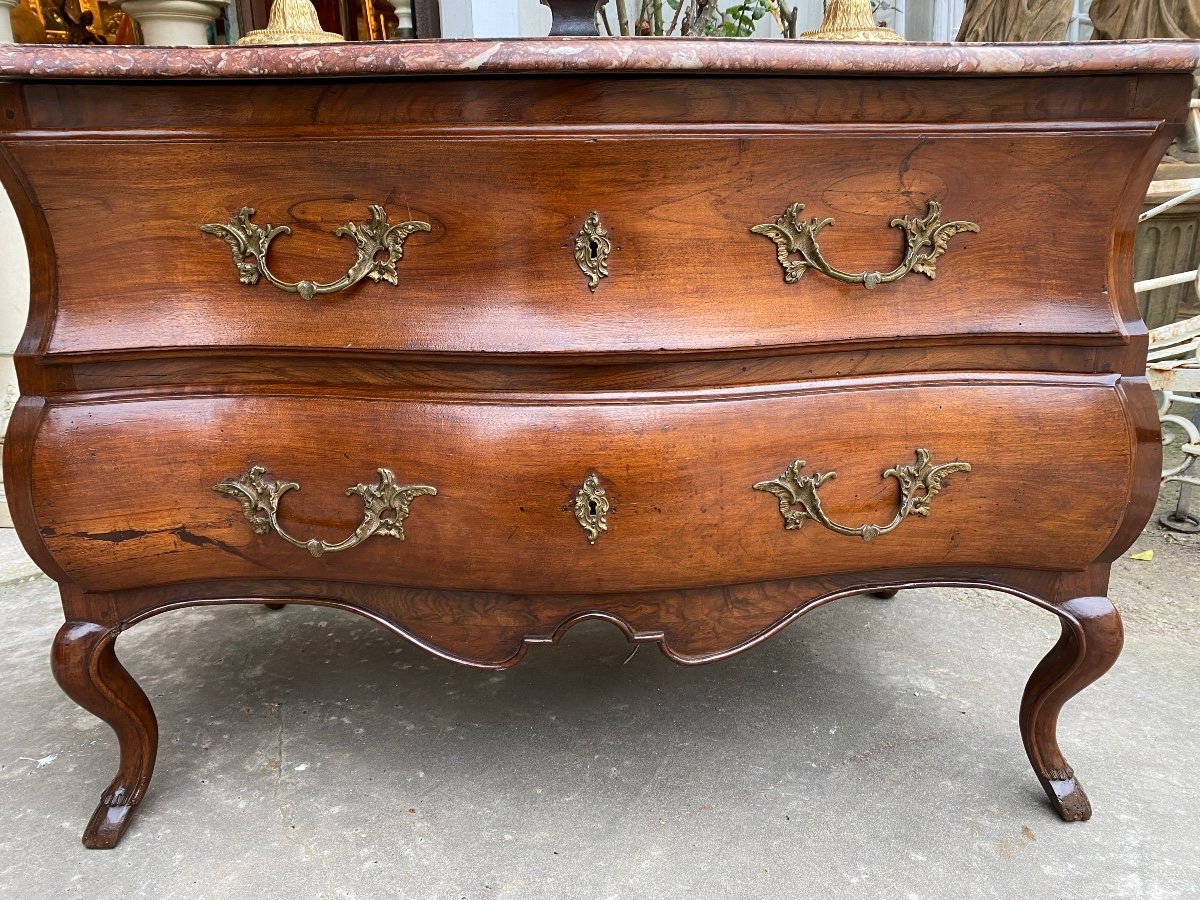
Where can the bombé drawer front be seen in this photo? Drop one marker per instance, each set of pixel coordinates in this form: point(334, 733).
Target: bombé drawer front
point(522, 245)
point(532, 497)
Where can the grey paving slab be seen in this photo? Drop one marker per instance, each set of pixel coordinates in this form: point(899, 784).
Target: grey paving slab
point(871, 751)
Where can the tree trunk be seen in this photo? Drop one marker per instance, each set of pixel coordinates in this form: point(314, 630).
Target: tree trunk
point(1016, 20)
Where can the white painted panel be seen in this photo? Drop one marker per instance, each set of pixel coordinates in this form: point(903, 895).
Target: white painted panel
point(1080, 28)
point(456, 19)
point(495, 18)
point(14, 307)
point(533, 18)
point(932, 20)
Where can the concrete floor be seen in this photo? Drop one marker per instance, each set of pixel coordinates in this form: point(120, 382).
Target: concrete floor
point(869, 751)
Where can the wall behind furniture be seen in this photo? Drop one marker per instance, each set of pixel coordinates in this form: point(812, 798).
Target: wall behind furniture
point(917, 20)
point(14, 306)
point(529, 18)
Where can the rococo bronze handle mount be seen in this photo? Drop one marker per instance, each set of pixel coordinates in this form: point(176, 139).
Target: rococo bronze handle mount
point(250, 243)
point(799, 500)
point(385, 507)
point(927, 238)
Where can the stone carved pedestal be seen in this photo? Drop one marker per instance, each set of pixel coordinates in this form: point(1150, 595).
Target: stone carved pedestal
point(1116, 20)
point(1165, 245)
point(173, 23)
point(1004, 20)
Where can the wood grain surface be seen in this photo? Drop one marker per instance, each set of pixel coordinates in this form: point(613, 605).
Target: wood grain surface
point(679, 472)
point(505, 207)
point(505, 214)
point(491, 372)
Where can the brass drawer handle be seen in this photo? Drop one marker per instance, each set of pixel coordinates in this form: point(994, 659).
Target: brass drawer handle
point(386, 507)
point(250, 243)
point(799, 501)
point(927, 239)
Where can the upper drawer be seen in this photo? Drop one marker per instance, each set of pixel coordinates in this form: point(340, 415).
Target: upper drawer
point(497, 271)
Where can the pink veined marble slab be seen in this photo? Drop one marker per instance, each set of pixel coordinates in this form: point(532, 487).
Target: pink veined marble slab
point(566, 55)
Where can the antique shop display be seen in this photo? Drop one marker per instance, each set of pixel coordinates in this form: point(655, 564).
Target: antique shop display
point(65, 22)
point(482, 339)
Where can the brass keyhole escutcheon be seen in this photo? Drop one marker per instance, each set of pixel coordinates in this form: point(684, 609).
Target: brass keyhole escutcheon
point(592, 248)
point(591, 508)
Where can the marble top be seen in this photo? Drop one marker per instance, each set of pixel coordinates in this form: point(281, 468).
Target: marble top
point(581, 55)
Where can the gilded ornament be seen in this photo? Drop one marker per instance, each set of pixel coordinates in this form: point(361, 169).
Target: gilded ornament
point(250, 243)
point(592, 247)
point(799, 500)
point(851, 20)
point(591, 508)
point(386, 506)
point(927, 238)
point(291, 22)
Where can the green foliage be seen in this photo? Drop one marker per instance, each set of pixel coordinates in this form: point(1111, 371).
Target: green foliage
point(697, 18)
point(737, 20)
point(704, 18)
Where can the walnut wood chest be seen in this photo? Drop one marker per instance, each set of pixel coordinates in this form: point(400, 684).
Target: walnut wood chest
point(479, 340)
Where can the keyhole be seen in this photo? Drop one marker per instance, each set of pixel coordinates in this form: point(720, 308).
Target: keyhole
point(593, 507)
point(593, 250)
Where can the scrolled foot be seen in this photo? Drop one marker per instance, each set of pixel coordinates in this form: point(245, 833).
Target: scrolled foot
point(885, 595)
point(275, 606)
point(107, 825)
point(1067, 796)
point(87, 669)
point(1091, 640)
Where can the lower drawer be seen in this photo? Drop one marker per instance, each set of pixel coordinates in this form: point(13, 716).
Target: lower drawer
point(123, 491)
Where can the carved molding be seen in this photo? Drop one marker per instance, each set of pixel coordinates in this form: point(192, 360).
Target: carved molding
point(783, 603)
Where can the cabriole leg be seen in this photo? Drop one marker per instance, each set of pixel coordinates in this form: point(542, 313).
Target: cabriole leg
point(87, 669)
point(1091, 641)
